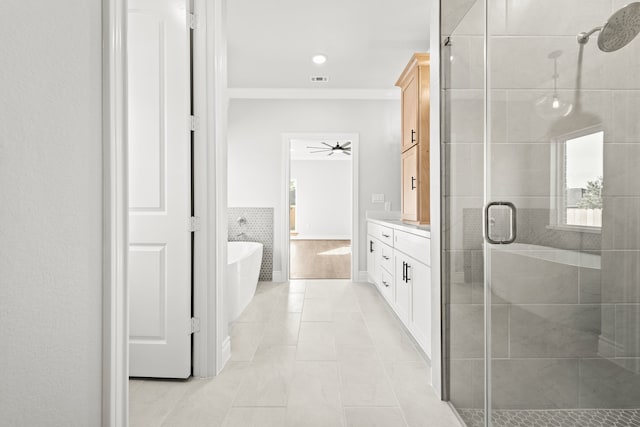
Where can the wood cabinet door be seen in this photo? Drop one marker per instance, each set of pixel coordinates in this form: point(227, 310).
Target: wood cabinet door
point(410, 113)
point(410, 184)
point(410, 101)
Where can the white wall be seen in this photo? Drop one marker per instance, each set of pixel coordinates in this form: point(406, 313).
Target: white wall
point(255, 150)
point(50, 213)
point(323, 198)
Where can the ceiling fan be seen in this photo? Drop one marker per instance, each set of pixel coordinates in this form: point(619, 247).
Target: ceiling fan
point(330, 149)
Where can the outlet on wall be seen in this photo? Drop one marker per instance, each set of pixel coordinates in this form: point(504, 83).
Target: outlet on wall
point(377, 198)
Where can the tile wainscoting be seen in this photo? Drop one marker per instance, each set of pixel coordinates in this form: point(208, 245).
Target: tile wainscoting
point(257, 228)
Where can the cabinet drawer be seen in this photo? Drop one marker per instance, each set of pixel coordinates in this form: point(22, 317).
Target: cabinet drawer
point(385, 234)
point(386, 258)
point(386, 286)
point(415, 246)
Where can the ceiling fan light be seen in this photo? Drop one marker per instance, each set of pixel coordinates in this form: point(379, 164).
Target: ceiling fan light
point(330, 149)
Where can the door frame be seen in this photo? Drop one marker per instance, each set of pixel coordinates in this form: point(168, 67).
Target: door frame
point(211, 344)
point(284, 205)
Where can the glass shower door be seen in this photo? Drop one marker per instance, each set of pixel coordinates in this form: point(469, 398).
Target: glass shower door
point(562, 218)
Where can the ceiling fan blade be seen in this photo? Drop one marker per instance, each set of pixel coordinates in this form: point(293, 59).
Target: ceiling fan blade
point(330, 146)
point(346, 144)
point(331, 153)
point(320, 151)
point(347, 149)
point(318, 148)
point(347, 153)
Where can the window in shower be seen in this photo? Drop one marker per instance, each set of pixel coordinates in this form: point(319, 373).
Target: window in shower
point(577, 180)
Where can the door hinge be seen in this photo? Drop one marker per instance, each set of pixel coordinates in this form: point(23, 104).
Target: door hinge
point(193, 123)
point(193, 21)
point(194, 224)
point(195, 325)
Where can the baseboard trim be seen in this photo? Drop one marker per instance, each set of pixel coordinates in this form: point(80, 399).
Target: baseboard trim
point(226, 351)
point(306, 237)
point(363, 276)
point(278, 276)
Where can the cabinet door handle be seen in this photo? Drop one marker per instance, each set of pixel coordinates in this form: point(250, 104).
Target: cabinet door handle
point(408, 278)
point(385, 235)
point(370, 245)
point(413, 181)
point(385, 257)
point(404, 271)
point(413, 136)
point(385, 284)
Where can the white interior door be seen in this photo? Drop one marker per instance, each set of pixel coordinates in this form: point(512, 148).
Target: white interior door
point(159, 274)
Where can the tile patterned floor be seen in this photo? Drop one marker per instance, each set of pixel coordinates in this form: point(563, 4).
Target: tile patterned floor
point(556, 418)
point(305, 354)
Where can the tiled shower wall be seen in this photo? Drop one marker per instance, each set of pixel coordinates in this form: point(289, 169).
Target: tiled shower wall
point(571, 332)
point(258, 228)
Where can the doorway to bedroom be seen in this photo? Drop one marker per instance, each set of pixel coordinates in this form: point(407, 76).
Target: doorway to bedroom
point(320, 208)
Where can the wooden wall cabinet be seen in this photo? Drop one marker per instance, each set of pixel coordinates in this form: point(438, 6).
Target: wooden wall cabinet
point(414, 83)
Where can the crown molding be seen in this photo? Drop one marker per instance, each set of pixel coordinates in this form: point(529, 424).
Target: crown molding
point(352, 94)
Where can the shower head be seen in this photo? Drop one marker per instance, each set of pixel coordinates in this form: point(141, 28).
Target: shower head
point(622, 27)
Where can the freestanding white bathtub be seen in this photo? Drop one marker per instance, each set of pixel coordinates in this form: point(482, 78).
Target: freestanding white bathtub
point(243, 269)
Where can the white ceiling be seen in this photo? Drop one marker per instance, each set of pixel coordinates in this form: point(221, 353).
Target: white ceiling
point(368, 42)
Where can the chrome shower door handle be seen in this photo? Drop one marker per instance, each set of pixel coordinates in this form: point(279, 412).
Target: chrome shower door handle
point(513, 229)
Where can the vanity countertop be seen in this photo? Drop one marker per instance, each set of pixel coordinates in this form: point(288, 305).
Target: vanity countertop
point(396, 224)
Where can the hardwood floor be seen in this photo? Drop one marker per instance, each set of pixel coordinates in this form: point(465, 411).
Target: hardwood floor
point(320, 259)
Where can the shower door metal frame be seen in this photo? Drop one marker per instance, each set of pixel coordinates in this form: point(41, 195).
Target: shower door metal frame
point(486, 201)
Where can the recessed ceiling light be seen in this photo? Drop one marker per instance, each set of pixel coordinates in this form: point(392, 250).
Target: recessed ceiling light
point(319, 58)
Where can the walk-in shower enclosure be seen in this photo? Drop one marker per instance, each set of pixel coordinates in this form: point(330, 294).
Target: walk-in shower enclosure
point(544, 330)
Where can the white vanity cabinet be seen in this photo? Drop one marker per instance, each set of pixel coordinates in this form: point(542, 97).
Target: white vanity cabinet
point(398, 263)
